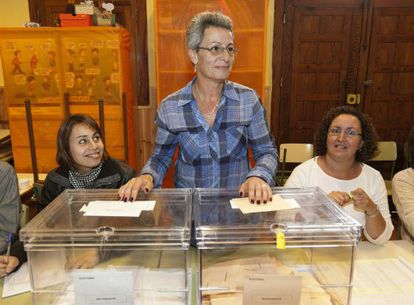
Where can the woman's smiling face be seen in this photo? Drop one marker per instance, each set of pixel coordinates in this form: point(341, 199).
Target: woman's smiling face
point(86, 147)
point(214, 67)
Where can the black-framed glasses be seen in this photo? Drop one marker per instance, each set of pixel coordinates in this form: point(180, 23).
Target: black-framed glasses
point(349, 132)
point(218, 50)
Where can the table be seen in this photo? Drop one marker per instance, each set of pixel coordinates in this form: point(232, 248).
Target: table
point(365, 250)
point(384, 275)
point(4, 133)
point(26, 181)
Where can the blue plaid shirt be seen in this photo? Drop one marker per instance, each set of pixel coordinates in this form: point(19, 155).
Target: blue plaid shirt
point(212, 157)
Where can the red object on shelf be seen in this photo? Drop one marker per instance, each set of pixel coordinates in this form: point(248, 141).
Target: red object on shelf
point(68, 20)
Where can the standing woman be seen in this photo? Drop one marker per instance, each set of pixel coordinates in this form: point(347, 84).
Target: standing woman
point(346, 140)
point(83, 161)
point(213, 121)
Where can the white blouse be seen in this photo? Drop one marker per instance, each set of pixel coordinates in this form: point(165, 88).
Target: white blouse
point(309, 174)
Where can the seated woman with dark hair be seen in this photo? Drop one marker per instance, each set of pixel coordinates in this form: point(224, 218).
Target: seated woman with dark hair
point(83, 161)
point(403, 193)
point(347, 139)
point(83, 164)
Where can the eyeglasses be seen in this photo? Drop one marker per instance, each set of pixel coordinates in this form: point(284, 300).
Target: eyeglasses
point(349, 133)
point(218, 50)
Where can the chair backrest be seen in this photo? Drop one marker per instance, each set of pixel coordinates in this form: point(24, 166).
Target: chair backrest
point(292, 153)
point(24, 215)
point(387, 152)
point(37, 192)
point(295, 152)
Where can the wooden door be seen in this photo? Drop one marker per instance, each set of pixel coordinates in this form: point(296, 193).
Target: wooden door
point(46, 12)
point(389, 78)
point(331, 48)
point(319, 63)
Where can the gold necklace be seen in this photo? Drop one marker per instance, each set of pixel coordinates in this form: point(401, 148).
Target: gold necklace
point(213, 111)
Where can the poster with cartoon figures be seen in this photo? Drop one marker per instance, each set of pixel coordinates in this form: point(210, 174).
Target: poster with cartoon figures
point(86, 66)
point(30, 70)
point(91, 69)
point(89, 64)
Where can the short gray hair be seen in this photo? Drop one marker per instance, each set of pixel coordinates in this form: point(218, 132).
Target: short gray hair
point(203, 20)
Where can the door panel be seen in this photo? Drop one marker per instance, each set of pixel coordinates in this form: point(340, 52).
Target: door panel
point(389, 100)
point(319, 65)
point(51, 11)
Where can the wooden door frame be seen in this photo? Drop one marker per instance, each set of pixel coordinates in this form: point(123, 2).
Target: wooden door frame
point(277, 55)
point(140, 40)
point(361, 86)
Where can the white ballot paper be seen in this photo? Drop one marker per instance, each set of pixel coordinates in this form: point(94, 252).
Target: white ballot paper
point(117, 208)
point(277, 203)
point(267, 289)
point(383, 281)
point(102, 287)
point(17, 282)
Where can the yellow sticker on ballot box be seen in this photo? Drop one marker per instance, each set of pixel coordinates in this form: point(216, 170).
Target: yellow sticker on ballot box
point(280, 240)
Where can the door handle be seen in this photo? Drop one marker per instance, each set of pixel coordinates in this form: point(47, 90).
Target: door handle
point(368, 82)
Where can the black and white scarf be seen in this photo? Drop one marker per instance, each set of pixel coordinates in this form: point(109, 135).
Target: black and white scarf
point(81, 181)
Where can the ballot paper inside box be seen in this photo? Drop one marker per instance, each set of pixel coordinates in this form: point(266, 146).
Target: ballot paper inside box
point(240, 261)
point(68, 249)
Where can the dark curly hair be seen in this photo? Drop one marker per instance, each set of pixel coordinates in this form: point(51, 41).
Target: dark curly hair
point(369, 135)
point(410, 146)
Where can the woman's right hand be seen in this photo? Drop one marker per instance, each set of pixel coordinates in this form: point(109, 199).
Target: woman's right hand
point(341, 198)
point(129, 191)
point(6, 268)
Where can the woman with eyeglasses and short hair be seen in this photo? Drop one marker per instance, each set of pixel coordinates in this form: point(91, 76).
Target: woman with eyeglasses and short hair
point(213, 121)
point(346, 139)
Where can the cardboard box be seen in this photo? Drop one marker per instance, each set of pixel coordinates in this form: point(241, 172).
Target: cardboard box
point(104, 19)
point(68, 20)
point(88, 9)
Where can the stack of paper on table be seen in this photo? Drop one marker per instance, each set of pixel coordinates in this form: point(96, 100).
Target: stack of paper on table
point(227, 280)
point(17, 282)
point(383, 281)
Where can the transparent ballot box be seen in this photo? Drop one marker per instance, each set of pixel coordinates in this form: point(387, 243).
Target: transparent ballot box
point(302, 255)
point(88, 248)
